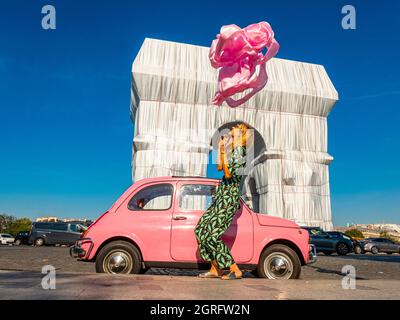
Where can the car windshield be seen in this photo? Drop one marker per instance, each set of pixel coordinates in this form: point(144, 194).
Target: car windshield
point(6, 236)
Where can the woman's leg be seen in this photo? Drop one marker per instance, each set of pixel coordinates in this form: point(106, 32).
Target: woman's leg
point(225, 212)
point(220, 251)
point(206, 252)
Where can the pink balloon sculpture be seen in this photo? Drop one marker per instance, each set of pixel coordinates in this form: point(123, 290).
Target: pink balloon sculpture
point(237, 53)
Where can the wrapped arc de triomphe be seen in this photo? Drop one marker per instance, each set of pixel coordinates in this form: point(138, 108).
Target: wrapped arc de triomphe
point(176, 127)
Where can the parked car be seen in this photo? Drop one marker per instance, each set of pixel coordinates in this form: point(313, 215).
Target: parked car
point(22, 238)
point(46, 233)
point(152, 225)
point(6, 238)
point(357, 246)
point(376, 245)
point(328, 244)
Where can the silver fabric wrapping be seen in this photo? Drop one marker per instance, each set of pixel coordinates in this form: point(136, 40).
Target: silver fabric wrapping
point(175, 127)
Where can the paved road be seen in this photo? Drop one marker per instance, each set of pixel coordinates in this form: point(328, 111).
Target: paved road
point(368, 266)
point(378, 277)
point(27, 285)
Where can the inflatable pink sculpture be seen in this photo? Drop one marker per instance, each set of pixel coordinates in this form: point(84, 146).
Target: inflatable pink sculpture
point(236, 53)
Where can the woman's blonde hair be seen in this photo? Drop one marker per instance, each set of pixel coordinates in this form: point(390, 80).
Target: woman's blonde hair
point(246, 134)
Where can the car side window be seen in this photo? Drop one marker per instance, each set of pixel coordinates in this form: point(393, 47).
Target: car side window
point(196, 196)
point(59, 227)
point(154, 197)
point(42, 225)
point(316, 232)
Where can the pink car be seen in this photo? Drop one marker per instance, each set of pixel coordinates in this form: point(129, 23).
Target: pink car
point(152, 225)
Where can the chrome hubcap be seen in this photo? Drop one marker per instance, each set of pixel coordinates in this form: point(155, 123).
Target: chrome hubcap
point(278, 266)
point(118, 262)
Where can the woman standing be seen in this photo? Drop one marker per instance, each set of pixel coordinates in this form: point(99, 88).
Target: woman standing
point(226, 201)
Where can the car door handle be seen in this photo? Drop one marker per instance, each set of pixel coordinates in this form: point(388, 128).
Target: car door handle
point(179, 218)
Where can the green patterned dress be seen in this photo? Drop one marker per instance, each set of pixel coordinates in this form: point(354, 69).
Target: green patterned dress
point(219, 215)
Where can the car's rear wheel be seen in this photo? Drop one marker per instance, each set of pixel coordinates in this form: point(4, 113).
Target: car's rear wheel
point(374, 250)
point(17, 242)
point(279, 262)
point(342, 249)
point(39, 242)
point(119, 257)
point(358, 250)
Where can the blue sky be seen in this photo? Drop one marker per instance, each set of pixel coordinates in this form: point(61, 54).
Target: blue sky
point(65, 131)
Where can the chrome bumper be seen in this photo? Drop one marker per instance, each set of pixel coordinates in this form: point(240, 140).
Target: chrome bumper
point(312, 254)
point(76, 251)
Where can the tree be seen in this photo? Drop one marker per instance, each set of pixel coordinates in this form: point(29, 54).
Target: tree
point(354, 233)
point(23, 224)
point(5, 221)
point(386, 235)
point(12, 225)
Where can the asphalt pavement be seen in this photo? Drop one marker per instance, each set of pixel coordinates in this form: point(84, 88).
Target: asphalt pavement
point(21, 277)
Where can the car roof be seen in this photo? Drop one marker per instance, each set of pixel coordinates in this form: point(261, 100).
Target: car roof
point(174, 178)
point(170, 179)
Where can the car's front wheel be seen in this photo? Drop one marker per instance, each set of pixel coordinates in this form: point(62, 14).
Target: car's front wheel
point(17, 242)
point(279, 262)
point(119, 257)
point(342, 249)
point(374, 250)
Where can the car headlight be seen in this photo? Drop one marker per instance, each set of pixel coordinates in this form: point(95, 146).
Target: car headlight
point(346, 237)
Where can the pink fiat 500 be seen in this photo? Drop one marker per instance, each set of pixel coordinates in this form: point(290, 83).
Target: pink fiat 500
point(152, 225)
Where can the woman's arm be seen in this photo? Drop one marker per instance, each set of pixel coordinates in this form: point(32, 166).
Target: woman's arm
point(223, 161)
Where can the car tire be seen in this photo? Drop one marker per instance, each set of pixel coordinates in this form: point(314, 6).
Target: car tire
point(374, 250)
point(254, 272)
point(358, 250)
point(39, 242)
point(119, 257)
point(281, 256)
point(342, 249)
point(327, 253)
point(17, 242)
point(144, 270)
